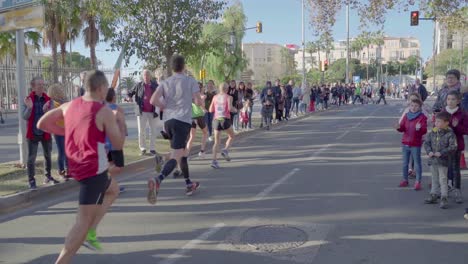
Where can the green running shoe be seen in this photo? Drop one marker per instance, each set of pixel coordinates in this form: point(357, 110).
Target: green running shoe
point(91, 241)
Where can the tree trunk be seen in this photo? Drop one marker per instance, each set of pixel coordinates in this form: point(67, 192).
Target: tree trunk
point(92, 51)
point(319, 61)
point(93, 39)
point(63, 53)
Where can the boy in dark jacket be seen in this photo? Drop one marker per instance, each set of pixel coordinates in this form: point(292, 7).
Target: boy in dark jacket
point(414, 127)
point(459, 124)
point(268, 103)
point(439, 144)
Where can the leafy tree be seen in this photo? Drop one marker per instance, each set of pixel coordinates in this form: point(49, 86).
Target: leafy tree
point(8, 43)
point(77, 61)
point(315, 47)
point(337, 70)
point(446, 60)
point(154, 30)
point(287, 59)
point(323, 12)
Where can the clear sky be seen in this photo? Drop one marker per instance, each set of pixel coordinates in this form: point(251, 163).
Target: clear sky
point(282, 24)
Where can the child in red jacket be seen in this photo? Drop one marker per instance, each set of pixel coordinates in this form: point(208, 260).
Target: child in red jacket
point(459, 125)
point(414, 127)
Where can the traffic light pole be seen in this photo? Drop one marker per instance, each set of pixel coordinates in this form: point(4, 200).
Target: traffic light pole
point(434, 53)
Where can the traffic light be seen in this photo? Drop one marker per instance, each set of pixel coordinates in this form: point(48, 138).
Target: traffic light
point(259, 27)
point(325, 65)
point(202, 74)
point(414, 18)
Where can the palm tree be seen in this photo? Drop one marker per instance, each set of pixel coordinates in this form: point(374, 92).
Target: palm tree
point(51, 34)
point(99, 20)
point(8, 43)
point(69, 27)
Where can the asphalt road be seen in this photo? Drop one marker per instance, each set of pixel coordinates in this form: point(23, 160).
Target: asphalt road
point(321, 190)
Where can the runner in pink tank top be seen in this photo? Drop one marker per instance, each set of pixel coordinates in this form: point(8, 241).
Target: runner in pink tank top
point(221, 107)
point(87, 123)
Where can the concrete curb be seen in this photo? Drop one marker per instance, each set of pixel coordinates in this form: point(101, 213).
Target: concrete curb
point(28, 198)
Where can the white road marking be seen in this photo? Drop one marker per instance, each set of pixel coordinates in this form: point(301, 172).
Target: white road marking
point(173, 258)
point(273, 186)
point(356, 125)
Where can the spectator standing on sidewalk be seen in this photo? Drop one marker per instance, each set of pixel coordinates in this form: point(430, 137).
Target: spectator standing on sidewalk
point(57, 95)
point(235, 98)
point(459, 124)
point(414, 127)
point(36, 104)
point(268, 105)
point(452, 82)
point(297, 94)
point(249, 100)
point(421, 90)
point(288, 99)
point(439, 144)
point(209, 94)
point(306, 95)
point(145, 111)
point(277, 94)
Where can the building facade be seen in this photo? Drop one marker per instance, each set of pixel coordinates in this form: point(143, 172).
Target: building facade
point(266, 61)
point(449, 39)
point(393, 49)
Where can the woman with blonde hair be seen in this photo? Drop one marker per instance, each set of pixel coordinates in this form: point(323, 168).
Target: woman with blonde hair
point(57, 94)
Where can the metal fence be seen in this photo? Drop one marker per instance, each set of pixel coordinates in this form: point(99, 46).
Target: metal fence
point(69, 77)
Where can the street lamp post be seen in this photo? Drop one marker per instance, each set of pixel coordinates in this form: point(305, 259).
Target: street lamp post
point(347, 42)
point(303, 46)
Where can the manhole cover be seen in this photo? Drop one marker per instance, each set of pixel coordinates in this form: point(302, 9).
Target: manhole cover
point(272, 238)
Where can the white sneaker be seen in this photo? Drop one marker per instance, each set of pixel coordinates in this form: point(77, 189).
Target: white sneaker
point(210, 139)
point(201, 154)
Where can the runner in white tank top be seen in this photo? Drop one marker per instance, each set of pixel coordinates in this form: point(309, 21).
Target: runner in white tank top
point(221, 108)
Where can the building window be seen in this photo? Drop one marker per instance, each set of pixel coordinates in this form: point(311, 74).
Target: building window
point(402, 55)
point(342, 54)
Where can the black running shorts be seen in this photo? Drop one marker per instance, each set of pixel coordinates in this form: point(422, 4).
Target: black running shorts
point(178, 132)
point(117, 157)
point(92, 189)
point(221, 125)
point(200, 122)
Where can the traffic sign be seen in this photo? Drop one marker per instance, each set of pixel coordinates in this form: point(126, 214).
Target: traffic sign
point(6, 5)
point(28, 17)
point(356, 79)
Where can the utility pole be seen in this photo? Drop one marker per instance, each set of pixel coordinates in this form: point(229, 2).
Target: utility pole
point(434, 52)
point(303, 45)
point(347, 41)
point(21, 86)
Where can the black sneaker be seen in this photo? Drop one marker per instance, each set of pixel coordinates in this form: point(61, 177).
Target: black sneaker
point(143, 152)
point(192, 188)
point(153, 152)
